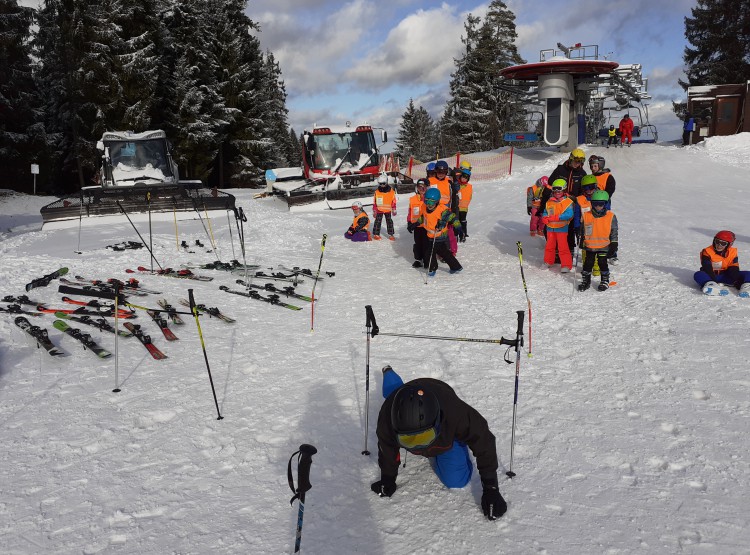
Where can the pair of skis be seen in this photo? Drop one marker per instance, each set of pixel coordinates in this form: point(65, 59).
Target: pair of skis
point(169, 272)
point(210, 310)
point(41, 336)
point(288, 291)
point(253, 294)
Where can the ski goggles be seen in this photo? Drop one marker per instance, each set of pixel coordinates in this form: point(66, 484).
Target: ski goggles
point(598, 205)
point(431, 203)
point(588, 188)
point(720, 243)
point(416, 440)
point(578, 160)
point(558, 189)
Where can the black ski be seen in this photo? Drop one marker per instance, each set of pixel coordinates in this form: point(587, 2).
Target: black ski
point(253, 294)
point(98, 323)
point(84, 338)
point(41, 337)
point(90, 291)
point(304, 272)
point(171, 312)
point(135, 329)
point(45, 280)
point(162, 323)
point(210, 310)
point(288, 291)
point(276, 276)
point(16, 309)
point(21, 299)
point(218, 265)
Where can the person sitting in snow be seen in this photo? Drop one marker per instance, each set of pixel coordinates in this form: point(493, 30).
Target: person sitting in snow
point(384, 204)
point(358, 231)
point(427, 418)
point(720, 267)
point(599, 227)
point(416, 209)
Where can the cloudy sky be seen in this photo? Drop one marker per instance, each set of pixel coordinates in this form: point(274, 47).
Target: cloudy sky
point(363, 60)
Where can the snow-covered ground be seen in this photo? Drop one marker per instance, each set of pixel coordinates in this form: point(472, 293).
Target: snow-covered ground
point(633, 413)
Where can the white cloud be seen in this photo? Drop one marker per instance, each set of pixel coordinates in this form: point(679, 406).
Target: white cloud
point(420, 49)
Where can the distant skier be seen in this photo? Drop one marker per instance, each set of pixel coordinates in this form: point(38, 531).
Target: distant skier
point(534, 203)
point(611, 136)
point(359, 230)
point(599, 227)
point(416, 209)
point(383, 204)
point(688, 128)
point(626, 128)
point(720, 268)
point(427, 418)
point(437, 220)
point(557, 214)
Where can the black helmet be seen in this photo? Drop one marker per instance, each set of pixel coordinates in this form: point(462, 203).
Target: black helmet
point(414, 409)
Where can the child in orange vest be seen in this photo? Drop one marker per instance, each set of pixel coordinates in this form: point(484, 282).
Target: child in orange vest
point(383, 204)
point(720, 267)
point(534, 203)
point(599, 227)
point(358, 231)
point(465, 192)
point(557, 214)
point(416, 210)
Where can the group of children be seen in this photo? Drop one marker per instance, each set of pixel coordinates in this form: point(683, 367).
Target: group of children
point(572, 207)
point(437, 215)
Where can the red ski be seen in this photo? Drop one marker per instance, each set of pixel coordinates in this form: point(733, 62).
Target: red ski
point(86, 310)
point(162, 323)
point(135, 329)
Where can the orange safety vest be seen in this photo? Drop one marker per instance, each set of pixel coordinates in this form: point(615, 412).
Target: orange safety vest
point(444, 186)
point(720, 263)
point(584, 203)
point(557, 208)
point(596, 231)
point(416, 208)
point(536, 195)
point(384, 202)
point(362, 214)
point(431, 220)
point(601, 180)
point(464, 196)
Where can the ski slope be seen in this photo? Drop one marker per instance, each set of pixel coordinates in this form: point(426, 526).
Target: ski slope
point(633, 411)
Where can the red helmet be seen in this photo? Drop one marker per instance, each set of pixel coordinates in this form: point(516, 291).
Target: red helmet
point(725, 235)
point(543, 181)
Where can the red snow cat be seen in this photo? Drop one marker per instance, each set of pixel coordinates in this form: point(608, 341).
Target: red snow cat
point(338, 163)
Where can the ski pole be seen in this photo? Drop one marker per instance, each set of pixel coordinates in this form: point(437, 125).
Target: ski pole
point(518, 345)
point(80, 218)
point(317, 275)
point(139, 235)
point(304, 461)
point(575, 267)
point(150, 233)
point(176, 232)
point(117, 334)
point(211, 230)
point(240, 219)
point(525, 289)
point(194, 310)
point(231, 237)
point(429, 260)
point(370, 318)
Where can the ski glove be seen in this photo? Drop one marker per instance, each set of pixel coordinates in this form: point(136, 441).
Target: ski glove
point(612, 249)
point(410, 227)
point(493, 504)
point(385, 487)
point(528, 210)
point(460, 233)
point(544, 220)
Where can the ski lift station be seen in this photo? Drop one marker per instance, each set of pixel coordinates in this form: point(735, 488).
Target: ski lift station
point(580, 96)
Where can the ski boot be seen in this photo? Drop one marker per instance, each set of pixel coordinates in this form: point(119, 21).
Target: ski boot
point(714, 289)
point(376, 237)
point(387, 368)
point(745, 290)
point(585, 281)
point(417, 264)
point(604, 284)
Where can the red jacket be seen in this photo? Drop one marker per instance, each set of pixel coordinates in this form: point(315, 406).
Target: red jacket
point(626, 126)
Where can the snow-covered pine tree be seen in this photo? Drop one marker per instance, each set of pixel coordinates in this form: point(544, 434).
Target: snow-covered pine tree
point(277, 123)
point(295, 149)
point(417, 135)
point(21, 130)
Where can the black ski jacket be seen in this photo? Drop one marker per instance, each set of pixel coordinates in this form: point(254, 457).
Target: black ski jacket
point(572, 177)
point(458, 421)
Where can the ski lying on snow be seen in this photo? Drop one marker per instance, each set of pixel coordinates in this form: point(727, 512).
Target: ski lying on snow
point(183, 274)
point(16, 309)
point(253, 294)
point(84, 338)
point(21, 299)
point(135, 329)
point(99, 323)
point(171, 312)
point(45, 280)
point(41, 336)
point(101, 290)
point(127, 286)
point(162, 323)
point(210, 310)
point(304, 272)
point(218, 265)
point(87, 311)
point(276, 276)
point(270, 287)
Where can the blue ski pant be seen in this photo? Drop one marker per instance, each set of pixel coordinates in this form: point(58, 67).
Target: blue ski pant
point(702, 278)
point(454, 467)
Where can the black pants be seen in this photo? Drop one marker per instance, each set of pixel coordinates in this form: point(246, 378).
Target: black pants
point(462, 219)
point(441, 249)
point(686, 138)
point(591, 257)
point(420, 243)
point(379, 220)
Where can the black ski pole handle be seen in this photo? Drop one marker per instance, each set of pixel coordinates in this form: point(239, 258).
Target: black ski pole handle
point(304, 461)
point(191, 300)
point(519, 331)
point(371, 323)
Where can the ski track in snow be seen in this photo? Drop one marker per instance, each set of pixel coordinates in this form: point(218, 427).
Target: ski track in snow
point(632, 412)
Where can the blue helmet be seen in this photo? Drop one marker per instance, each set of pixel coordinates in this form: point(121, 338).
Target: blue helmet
point(431, 167)
point(441, 165)
point(432, 194)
